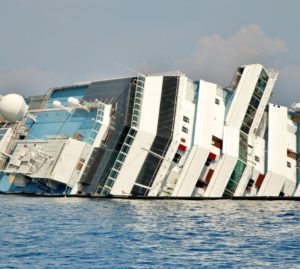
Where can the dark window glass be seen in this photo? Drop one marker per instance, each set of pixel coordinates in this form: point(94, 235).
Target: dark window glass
point(186, 119)
point(177, 158)
point(185, 130)
point(254, 102)
point(208, 161)
point(250, 183)
point(245, 128)
point(139, 191)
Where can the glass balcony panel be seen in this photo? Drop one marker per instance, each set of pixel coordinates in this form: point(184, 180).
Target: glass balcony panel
point(138, 95)
point(105, 191)
point(121, 157)
point(125, 149)
point(132, 132)
point(128, 140)
point(245, 128)
point(258, 94)
point(118, 165)
point(248, 120)
point(263, 75)
point(240, 166)
point(113, 174)
point(254, 102)
point(109, 183)
point(136, 112)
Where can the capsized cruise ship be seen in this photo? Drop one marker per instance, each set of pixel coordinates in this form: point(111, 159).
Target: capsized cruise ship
point(153, 135)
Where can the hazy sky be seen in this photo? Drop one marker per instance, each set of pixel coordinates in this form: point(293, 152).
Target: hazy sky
point(47, 43)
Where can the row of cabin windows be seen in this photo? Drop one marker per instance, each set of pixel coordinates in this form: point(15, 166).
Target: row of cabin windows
point(256, 158)
point(178, 156)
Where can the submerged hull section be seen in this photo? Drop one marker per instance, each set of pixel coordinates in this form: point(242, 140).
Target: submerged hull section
point(155, 135)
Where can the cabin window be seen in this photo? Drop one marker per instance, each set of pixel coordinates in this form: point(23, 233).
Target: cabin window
point(259, 180)
point(105, 137)
point(201, 184)
point(208, 161)
point(289, 165)
point(256, 158)
point(177, 158)
point(186, 119)
point(80, 164)
point(250, 183)
point(293, 155)
point(217, 142)
point(217, 101)
point(185, 130)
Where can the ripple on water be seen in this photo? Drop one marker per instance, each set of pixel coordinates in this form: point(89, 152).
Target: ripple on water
point(72, 233)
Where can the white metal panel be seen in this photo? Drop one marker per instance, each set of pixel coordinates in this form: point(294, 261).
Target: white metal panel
point(278, 172)
point(221, 176)
point(133, 163)
point(204, 121)
point(188, 110)
point(144, 137)
point(259, 151)
point(226, 163)
point(242, 96)
point(104, 126)
point(277, 140)
point(68, 160)
point(191, 172)
point(5, 140)
point(151, 104)
point(297, 192)
point(263, 102)
point(231, 141)
point(205, 114)
point(272, 185)
point(177, 131)
point(219, 118)
point(244, 180)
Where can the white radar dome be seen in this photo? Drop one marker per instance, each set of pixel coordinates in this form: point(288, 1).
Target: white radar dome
point(73, 101)
point(57, 104)
point(296, 107)
point(13, 107)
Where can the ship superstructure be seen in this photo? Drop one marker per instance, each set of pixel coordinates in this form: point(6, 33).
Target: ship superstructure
point(155, 135)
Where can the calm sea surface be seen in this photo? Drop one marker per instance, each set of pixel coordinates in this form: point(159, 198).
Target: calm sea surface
point(84, 233)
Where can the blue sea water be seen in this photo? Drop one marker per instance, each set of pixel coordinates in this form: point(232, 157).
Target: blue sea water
point(85, 233)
